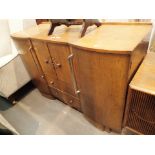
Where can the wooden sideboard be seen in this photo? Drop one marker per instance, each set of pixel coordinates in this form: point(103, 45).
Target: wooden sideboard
point(140, 110)
point(46, 58)
point(91, 73)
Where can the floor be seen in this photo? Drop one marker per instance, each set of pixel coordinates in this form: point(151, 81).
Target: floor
point(4, 124)
point(35, 115)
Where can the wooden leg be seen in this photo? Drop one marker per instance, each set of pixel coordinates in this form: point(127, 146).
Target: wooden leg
point(103, 128)
point(85, 26)
point(52, 28)
point(107, 129)
point(14, 102)
point(98, 24)
point(12, 99)
point(49, 96)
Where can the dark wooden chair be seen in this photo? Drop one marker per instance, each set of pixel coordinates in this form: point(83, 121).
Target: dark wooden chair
point(68, 22)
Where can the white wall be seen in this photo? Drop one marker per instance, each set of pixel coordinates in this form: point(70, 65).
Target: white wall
point(19, 25)
point(5, 41)
point(152, 39)
point(10, 26)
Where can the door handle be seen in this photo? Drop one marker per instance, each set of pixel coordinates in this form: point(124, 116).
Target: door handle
point(30, 48)
point(70, 61)
point(58, 65)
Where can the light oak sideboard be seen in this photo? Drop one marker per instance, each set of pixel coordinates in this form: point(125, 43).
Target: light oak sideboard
point(91, 73)
point(140, 109)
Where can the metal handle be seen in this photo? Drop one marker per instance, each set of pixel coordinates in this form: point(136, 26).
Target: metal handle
point(52, 82)
point(70, 61)
point(30, 48)
point(58, 65)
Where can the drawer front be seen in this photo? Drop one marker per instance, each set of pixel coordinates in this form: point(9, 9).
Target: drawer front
point(66, 98)
point(61, 85)
point(45, 60)
point(73, 102)
point(56, 93)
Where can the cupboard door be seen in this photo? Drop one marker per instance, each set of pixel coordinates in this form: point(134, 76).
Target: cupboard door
point(102, 81)
point(44, 58)
point(27, 54)
point(60, 53)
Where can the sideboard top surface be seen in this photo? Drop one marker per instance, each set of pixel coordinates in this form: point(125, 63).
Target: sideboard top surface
point(144, 79)
point(115, 37)
point(110, 37)
point(32, 31)
point(61, 34)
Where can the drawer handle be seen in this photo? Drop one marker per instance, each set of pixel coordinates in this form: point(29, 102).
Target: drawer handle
point(42, 76)
point(46, 61)
point(71, 101)
point(30, 48)
point(58, 65)
point(52, 82)
point(70, 61)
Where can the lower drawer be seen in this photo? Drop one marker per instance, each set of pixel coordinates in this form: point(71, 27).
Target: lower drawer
point(66, 98)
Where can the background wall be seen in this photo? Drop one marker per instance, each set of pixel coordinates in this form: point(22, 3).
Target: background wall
point(5, 41)
point(10, 26)
point(152, 39)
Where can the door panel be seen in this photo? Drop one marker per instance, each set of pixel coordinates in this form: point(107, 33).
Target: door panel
point(102, 81)
point(45, 61)
point(60, 55)
point(30, 61)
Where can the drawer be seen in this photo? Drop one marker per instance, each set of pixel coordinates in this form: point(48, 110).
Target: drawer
point(64, 87)
point(66, 98)
point(72, 101)
point(57, 93)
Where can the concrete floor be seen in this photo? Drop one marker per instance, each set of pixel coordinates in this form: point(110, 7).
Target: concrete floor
point(4, 124)
point(35, 115)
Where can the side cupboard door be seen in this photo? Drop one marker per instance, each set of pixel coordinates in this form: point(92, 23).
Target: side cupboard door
point(45, 61)
point(28, 56)
point(102, 81)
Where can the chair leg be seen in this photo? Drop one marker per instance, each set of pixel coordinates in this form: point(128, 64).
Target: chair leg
point(52, 29)
point(98, 24)
point(85, 26)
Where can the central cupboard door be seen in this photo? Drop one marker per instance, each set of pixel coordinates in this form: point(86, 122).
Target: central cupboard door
point(45, 60)
point(102, 81)
point(60, 53)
